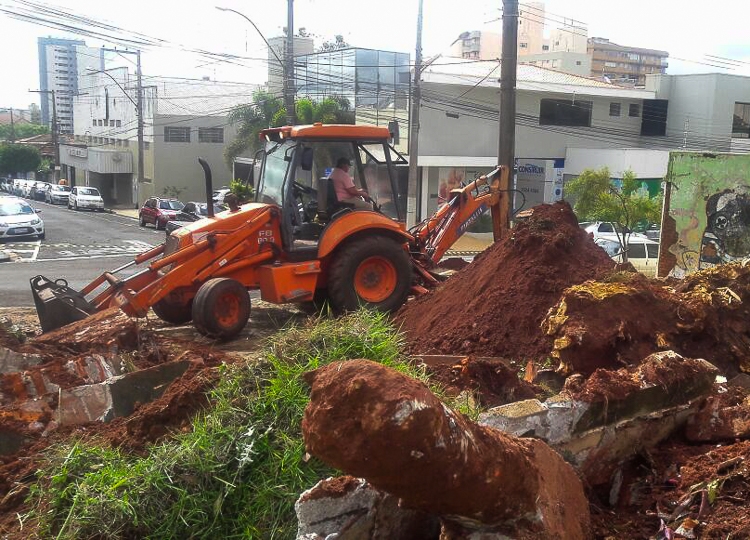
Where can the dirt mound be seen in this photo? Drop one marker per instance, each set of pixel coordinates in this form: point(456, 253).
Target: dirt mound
point(608, 324)
point(494, 306)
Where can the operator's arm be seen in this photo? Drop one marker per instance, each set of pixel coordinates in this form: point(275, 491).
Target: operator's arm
point(346, 183)
point(354, 191)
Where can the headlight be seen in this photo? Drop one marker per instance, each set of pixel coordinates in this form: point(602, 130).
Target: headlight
point(36, 221)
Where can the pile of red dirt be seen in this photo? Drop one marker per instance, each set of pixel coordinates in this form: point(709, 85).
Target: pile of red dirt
point(494, 306)
point(621, 320)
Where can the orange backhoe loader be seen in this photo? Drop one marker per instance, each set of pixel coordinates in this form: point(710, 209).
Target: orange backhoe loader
point(294, 243)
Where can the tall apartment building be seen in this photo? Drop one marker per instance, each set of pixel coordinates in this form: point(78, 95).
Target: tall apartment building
point(623, 63)
point(61, 62)
point(478, 45)
point(531, 28)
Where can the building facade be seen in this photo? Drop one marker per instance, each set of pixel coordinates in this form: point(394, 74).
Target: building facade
point(478, 45)
point(183, 119)
point(567, 62)
point(302, 46)
point(624, 63)
point(61, 63)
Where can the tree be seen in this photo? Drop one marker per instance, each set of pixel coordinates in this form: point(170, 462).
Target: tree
point(337, 43)
point(22, 130)
point(18, 158)
point(35, 114)
point(268, 111)
point(598, 199)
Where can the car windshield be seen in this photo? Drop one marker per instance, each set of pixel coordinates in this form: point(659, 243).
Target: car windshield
point(88, 191)
point(171, 205)
point(61, 188)
point(15, 208)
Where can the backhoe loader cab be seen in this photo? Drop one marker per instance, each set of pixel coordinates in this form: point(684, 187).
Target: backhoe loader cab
point(295, 243)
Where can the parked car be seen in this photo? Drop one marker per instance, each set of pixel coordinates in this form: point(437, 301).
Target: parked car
point(87, 198)
point(219, 194)
point(193, 211)
point(643, 253)
point(608, 230)
point(39, 190)
point(158, 212)
point(57, 194)
point(18, 218)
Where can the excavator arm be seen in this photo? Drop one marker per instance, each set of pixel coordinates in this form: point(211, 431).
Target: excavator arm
point(435, 235)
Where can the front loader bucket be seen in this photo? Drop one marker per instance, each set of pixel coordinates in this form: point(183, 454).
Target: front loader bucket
point(57, 304)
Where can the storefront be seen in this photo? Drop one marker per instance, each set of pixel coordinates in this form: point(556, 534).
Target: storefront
point(111, 171)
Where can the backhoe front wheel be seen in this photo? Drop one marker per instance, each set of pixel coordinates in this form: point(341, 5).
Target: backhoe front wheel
point(371, 272)
point(221, 308)
point(173, 313)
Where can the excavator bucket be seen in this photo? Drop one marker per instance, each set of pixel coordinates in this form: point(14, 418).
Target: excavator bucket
point(57, 304)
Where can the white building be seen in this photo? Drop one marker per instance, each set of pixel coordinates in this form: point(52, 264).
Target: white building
point(183, 119)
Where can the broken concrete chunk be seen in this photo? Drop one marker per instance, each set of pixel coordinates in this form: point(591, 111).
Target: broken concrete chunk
point(402, 439)
point(117, 396)
point(714, 423)
point(14, 362)
point(349, 508)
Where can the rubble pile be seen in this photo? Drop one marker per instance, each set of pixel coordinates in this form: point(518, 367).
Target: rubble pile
point(494, 306)
point(608, 324)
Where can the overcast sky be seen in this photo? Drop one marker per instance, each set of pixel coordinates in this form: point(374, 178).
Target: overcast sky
point(689, 31)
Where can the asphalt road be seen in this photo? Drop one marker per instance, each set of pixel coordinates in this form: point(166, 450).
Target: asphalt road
point(79, 246)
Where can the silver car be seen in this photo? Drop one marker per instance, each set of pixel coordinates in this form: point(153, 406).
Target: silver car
point(57, 194)
point(18, 218)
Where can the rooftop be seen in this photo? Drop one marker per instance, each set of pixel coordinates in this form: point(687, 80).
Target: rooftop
point(530, 78)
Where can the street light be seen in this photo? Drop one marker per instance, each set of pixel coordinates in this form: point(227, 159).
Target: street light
point(256, 29)
point(104, 72)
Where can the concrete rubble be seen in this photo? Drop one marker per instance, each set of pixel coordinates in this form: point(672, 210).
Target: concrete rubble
point(598, 427)
point(377, 424)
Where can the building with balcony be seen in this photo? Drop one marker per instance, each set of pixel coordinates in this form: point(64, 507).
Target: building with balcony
point(624, 63)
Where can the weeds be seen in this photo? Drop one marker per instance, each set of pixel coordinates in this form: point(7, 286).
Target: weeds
point(239, 471)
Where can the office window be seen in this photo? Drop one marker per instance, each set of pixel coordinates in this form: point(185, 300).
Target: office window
point(93, 122)
point(99, 123)
point(564, 112)
point(523, 45)
point(146, 145)
point(741, 121)
point(578, 62)
point(211, 135)
point(111, 123)
point(176, 134)
point(614, 109)
point(634, 110)
point(545, 47)
point(118, 123)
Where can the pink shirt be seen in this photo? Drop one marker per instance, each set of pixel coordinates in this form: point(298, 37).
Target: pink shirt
point(341, 181)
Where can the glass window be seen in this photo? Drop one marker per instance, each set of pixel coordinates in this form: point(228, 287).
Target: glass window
point(653, 251)
point(170, 205)
point(634, 110)
point(741, 121)
point(606, 228)
point(176, 134)
point(271, 186)
point(15, 208)
point(88, 191)
point(211, 135)
point(637, 251)
point(564, 112)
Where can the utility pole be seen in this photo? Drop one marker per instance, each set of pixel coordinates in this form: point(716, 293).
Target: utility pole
point(507, 121)
point(289, 65)
point(416, 100)
point(55, 142)
point(139, 112)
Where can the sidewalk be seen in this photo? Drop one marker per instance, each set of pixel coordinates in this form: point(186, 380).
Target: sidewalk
point(125, 211)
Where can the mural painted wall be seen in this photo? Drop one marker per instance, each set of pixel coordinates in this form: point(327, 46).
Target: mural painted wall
point(708, 219)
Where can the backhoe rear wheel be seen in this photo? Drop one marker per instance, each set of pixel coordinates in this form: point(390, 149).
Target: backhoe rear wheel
point(373, 272)
point(173, 313)
point(221, 308)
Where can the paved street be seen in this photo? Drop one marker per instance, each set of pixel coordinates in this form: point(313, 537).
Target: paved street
point(78, 246)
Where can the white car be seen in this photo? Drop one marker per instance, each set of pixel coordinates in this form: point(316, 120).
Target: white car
point(57, 194)
point(607, 230)
point(85, 198)
point(18, 218)
point(643, 253)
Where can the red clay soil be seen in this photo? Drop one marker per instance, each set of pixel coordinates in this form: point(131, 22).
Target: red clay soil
point(656, 486)
point(616, 323)
point(494, 306)
point(491, 381)
point(375, 423)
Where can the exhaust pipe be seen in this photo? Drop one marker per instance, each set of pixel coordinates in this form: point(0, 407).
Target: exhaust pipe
point(209, 187)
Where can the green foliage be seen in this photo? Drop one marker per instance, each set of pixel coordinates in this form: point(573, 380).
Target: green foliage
point(239, 471)
point(21, 131)
point(18, 158)
point(243, 191)
point(597, 199)
point(173, 192)
point(46, 166)
point(269, 111)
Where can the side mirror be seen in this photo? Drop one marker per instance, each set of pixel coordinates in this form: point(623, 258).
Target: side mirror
point(307, 159)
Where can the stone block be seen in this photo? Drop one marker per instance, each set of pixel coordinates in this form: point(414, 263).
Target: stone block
point(117, 396)
point(348, 508)
point(14, 362)
point(525, 418)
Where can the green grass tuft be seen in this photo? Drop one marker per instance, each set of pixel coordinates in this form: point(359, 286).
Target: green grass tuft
point(239, 471)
